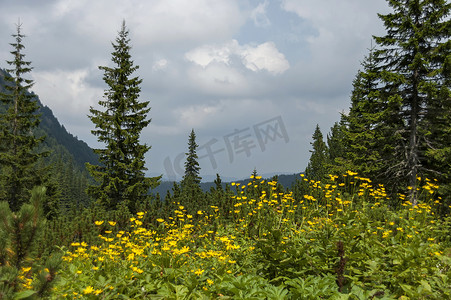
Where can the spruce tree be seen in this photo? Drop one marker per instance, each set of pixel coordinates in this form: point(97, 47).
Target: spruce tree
point(192, 168)
point(410, 58)
point(119, 125)
point(190, 184)
point(18, 144)
point(316, 168)
point(336, 148)
point(364, 129)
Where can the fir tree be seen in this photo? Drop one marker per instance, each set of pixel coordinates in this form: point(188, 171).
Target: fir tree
point(192, 168)
point(336, 148)
point(316, 168)
point(191, 192)
point(363, 127)
point(18, 153)
point(121, 172)
point(409, 60)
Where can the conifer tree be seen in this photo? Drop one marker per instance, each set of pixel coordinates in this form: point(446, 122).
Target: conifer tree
point(190, 184)
point(364, 129)
point(409, 59)
point(336, 148)
point(18, 154)
point(20, 234)
point(192, 168)
point(316, 168)
point(121, 172)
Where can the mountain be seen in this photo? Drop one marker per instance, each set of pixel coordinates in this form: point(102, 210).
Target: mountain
point(58, 140)
point(286, 180)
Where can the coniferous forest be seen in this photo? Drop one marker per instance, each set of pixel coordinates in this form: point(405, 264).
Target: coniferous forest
point(369, 218)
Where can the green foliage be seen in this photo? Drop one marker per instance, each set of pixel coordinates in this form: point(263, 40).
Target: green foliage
point(398, 124)
point(316, 168)
point(121, 172)
point(409, 60)
point(18, 156)
point(21, 274)
point(340, 240)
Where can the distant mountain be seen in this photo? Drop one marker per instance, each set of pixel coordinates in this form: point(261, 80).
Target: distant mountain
point(58, 140)
point(286, 180)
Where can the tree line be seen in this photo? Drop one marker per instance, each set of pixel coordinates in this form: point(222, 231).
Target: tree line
point(397, 132)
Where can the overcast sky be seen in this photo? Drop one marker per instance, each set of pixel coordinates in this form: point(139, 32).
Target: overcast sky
point(251, 77)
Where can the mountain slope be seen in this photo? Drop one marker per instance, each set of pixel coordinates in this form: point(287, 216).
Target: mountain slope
point(57, 136)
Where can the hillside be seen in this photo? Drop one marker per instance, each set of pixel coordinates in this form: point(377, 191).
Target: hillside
point(61, 142)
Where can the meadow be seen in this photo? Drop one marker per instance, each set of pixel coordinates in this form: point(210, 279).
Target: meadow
point(340, 240)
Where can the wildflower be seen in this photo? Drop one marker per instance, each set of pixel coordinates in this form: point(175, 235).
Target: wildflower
point(199, 272)
point(98, 223)
point(160, 220)
point(112, 223)
point(209, 281)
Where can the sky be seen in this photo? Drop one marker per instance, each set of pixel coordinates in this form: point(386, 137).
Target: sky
point(253, 78)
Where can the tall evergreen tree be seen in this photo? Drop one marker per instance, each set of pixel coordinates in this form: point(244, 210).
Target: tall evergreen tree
point(364, 129)
point(192, 169)
point(18, 155)
point(121, 172)
point(316, 168)
point(409, 60)
point(336, 148)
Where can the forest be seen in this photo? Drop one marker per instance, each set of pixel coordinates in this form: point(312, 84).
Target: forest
point(369, 218)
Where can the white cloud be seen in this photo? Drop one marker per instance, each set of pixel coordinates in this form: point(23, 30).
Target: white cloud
point(265, 56)
point(206, 54)
point(69, 96)
point(258, 15)
point(157, 21)
point(160, 64)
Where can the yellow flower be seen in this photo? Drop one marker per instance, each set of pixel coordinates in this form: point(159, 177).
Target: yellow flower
point(199, 272)
point(140, 213)
point(160, 220)
point(88, 290)
point(112, 223)
point(209, 281)
point(98, 223)
point(96, 292)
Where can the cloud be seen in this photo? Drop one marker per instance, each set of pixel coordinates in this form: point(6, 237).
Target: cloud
point(157, 21)
point(263, 57)
point(258, 15)
point(216, 66)
point(69, 95)
point(160, 64)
